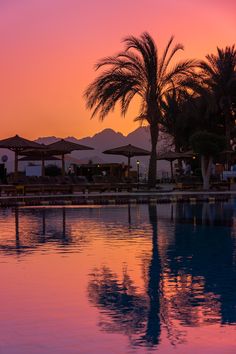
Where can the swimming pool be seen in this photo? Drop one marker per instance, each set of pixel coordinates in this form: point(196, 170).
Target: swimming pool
point(118, 279)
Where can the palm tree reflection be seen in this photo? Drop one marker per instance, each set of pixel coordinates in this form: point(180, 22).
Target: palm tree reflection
point(130, 312)
point(125, 307)
point(190, 281)
point(153, 330)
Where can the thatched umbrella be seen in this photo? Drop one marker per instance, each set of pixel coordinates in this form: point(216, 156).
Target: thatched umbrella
point(172, 156)
point(18, 144)
point(128, 151)
point(65, 147)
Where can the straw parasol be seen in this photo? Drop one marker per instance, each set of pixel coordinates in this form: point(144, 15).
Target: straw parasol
point(64, 147)
point(17, 144)
point(129, 151)
point(172, 156)
point(38, 158)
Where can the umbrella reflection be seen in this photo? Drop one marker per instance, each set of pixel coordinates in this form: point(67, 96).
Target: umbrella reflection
point(18, 247)
point(52, 231)
point(17, 223)
point(34, 227)
point(43, 222)
point(64, 222)
point(129, 214)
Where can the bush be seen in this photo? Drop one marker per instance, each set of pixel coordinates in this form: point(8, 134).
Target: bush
point(198, 172)
point(207, 144)
point(52, 170)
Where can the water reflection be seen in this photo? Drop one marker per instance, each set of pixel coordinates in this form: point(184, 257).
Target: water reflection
point(220, 214)
point(191, 280)
point(206, 255)
point(178, 264)
point(35, 227)
point(153, 329)
point(139, 316)
point(136, 315)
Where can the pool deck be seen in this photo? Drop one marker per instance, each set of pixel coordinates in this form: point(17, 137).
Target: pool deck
point(164, 195)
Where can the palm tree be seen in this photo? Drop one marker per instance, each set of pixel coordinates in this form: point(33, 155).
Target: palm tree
point(185, 114)
point(139, 71)
point(177, 120)
point(219, 76)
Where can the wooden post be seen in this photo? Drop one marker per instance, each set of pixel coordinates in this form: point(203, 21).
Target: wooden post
point(171, 168)
point(128, 168)
point(43, 166)
point(63, 165)
point(16, 164)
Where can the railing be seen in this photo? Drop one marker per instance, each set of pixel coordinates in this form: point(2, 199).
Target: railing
point(42, 189)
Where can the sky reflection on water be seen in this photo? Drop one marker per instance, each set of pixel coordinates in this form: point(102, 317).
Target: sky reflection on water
point(158, 278)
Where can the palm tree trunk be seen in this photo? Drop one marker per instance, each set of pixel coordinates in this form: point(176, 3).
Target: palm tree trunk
point(226, 105)
point(171, 170)
point(16, 165)
point(152, 173)
point(177, 149)
point(227, 131)
point(228, 136)
point(206, 163)
point(63, 165)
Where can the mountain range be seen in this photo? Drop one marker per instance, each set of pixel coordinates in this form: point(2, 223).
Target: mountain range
point(106, 139)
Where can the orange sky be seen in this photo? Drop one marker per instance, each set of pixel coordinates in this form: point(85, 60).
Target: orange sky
point(49, 47)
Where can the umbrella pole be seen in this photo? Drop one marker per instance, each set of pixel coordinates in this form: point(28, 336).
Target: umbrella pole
point(129, 214)
point(17, 223)
point(44, 223)
point(43, 167)
point(16, 164)
point(128, 168)
point(63, 222)
point(63, 165)
point(171, 168)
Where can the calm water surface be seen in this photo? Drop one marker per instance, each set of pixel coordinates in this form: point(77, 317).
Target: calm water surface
point(118, 280)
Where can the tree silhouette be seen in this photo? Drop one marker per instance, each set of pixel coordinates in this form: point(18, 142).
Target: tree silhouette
point(139, 71)
point(219, 76)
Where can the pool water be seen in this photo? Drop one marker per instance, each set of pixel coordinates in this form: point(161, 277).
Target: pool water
point(118, 279)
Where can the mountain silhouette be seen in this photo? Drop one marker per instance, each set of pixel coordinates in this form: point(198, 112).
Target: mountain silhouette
point(106, 139)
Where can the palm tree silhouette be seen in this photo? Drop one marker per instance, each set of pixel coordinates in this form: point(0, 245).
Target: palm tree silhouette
point(153, 330)
point(219, 76)
point(176, 119)
point(141, 316)
point(139, 71)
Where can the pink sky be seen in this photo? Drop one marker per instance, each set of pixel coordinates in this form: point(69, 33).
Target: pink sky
point(49, 48)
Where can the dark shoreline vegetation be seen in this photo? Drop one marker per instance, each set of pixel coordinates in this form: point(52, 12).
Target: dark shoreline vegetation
point(193, 101)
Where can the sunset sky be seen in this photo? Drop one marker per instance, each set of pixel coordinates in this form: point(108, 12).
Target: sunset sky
point(49, 48)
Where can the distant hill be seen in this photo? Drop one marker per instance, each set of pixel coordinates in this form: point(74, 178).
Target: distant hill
point(104, 140)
